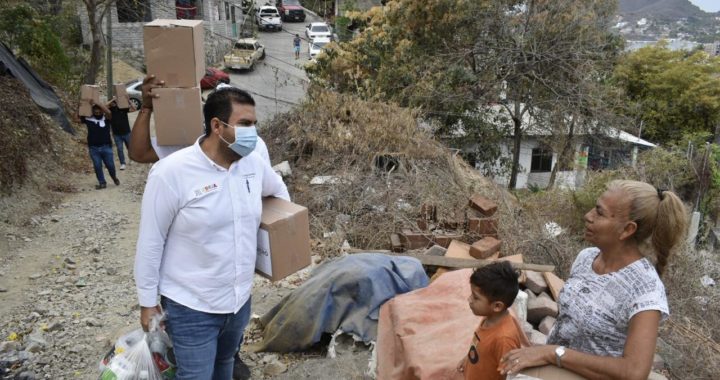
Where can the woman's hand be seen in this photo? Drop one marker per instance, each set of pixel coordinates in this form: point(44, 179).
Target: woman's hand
point(521, 358)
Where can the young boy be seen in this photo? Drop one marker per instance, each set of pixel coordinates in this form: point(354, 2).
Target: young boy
point(494, 288)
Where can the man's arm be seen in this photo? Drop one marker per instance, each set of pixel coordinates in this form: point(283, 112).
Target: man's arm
point(132, 105)
point(273, 185)
point(105, 110)
point(158, 210)
point(140, 148)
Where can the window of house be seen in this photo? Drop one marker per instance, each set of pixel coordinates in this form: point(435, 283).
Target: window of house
point(541, 160)
point(187, 10)
point(133, 11)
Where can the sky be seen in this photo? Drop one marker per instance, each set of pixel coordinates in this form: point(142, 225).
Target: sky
point(707, 5)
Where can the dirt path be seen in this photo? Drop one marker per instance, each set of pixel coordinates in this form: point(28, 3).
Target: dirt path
point(66, 288)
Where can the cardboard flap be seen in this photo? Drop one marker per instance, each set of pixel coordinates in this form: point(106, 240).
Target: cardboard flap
point(276, 209)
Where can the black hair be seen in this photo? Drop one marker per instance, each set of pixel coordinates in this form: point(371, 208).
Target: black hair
point(497, 281)
point(219, 104)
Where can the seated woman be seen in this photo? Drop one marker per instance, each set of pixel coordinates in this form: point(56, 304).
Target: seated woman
point(613, 302)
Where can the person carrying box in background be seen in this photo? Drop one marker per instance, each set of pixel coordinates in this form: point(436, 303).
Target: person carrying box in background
point(198, 236)
point(493, 290)
point(121, 127)
point(99, 143)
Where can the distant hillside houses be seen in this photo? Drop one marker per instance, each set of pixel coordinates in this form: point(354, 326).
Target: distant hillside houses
point(672, 44)
point(713, 49)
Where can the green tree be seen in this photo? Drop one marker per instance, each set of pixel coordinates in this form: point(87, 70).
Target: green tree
point(673, 92)
point(459, 60)
point(22, 28)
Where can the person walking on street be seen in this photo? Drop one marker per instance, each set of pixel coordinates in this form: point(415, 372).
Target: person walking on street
point(100, 143)
point(198, 236)
point(296, 46)
point(120, 128)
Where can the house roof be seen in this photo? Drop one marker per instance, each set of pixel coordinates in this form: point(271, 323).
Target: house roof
point(531, 127)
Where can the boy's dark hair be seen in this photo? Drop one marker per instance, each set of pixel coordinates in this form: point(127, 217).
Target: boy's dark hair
point(219, 104)
point(497, 281)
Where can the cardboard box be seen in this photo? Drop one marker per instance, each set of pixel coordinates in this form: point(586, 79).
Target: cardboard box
point(178, 115)
point(88, 92)
point(174, 51)
point(121, 95)
point(548, 372)
point(283, 239)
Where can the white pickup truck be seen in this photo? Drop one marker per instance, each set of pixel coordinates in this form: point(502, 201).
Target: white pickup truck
point(268, 17)
point(244, 54)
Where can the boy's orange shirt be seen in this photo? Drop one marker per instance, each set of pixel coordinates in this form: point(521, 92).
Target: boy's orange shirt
point(488, 347)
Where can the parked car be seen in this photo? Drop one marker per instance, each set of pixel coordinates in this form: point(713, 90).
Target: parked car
point(134, 92)
point(212, 77)
point(268, 17)
point(291, 10)
point(244, 54)
point(317, 45)
point(318, 29)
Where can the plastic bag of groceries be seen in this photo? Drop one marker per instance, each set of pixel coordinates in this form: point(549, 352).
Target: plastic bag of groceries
point(140, 355)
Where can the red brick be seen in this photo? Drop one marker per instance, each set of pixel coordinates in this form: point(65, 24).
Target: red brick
point(422, 224)
point(396, 243)
point(482, 204)
point(445, 239)
point(485, 247)
point(415, 240)
point(483, 226)
point(428, 212)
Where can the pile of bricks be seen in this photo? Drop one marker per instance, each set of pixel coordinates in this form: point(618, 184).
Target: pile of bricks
point(477, 221)
point(536, 306)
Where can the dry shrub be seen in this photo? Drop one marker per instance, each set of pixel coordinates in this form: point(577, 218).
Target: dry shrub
point(691, 334)
point(689, 339)
point(384, 166)
point(35, 155)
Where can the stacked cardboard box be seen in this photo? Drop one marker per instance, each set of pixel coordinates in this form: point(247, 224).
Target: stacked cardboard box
point(174, 53)
point(88, 93)
point(121, 95)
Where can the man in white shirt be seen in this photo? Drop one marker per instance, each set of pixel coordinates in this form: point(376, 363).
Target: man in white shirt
point(197, 243)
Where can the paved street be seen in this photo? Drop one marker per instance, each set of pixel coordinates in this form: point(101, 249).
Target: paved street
point(278, 82)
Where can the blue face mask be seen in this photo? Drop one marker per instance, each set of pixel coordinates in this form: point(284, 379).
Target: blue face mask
point(245, 140)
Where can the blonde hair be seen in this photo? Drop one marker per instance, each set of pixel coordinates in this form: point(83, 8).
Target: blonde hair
point(660, 216)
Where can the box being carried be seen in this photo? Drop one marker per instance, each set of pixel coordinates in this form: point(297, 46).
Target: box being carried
point(178, 115)
point(174, 51)
point(121, 95)
point(88, 92)
point(283, 245)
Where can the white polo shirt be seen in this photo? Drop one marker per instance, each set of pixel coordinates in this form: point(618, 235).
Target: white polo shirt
point(163, 151)
point(198, 229)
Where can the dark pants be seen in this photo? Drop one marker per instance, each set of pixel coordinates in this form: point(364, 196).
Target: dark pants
point(205, 344)
point(99, 155)
point(119, 141)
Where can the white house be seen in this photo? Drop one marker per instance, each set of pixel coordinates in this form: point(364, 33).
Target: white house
point(594, 148)
point(223, 20)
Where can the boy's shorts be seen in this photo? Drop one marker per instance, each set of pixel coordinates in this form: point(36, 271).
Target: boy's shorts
point(296, 49)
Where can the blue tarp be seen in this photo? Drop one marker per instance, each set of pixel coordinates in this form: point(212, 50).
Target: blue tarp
point(344, 294)
point(42, 94)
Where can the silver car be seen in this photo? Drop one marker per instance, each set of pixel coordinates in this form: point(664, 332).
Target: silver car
point(134, 92)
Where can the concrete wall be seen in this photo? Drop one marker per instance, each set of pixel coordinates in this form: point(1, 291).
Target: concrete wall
point(570, 179)
point(128, 36)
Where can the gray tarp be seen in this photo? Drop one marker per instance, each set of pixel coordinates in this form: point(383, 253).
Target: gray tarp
point(344, 294)
point(42, 94)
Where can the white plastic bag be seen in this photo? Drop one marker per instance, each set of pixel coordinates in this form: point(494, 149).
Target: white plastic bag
point(132, 358)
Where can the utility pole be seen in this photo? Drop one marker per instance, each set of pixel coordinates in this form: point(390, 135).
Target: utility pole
point(108, 46)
